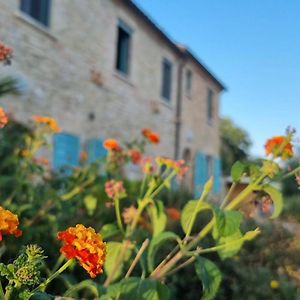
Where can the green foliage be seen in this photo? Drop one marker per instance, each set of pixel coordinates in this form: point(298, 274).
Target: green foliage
point(189, 210)
point(156, 243)
point(137, 289)
point(237, 171)
point(227, 223)
point(210, 276)
point(114, 251)
point(158, 217)
point(235, 144)
point(276, 198)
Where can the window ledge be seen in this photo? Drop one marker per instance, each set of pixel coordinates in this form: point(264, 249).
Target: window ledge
point(35, 24)
point(124, 78)
point(166, 104)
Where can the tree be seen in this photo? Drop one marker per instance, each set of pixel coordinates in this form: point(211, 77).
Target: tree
point(235, 144)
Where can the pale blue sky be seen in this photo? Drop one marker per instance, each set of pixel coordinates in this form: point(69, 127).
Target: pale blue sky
point(251, 46)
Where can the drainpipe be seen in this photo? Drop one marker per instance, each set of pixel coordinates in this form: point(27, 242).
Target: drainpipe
point(178, 120)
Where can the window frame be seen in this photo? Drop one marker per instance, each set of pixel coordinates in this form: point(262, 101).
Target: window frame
point(210, 106)
point(166, 80)
point(125, 28)
point(44, 14)
point(188, 82)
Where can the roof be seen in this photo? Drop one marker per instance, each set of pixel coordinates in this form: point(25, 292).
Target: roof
point(178, 49)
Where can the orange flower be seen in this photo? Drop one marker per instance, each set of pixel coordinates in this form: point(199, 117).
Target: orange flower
point(41, 160)
point(50, 122)
point(135, 156)
point(154, 138)
point(111, 144)
point(3, 118)
point(86, 246)
point(146, 132)
point(173, 213)
point(5, 53)
point(8, 223)
point(279, 146)
point(151, 136)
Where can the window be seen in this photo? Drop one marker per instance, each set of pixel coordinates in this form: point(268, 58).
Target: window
point(123, 48)
point(209, 166)
point(37, 9)
point(166, 79)
point(188, 83)
point(210, 106)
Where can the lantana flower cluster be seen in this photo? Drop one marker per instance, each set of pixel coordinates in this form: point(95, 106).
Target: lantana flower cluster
point(86, 246)
point(5, 53)
point(47, 121)
point(9, 223)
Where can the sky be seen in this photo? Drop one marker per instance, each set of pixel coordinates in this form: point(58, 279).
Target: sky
point(252, 46)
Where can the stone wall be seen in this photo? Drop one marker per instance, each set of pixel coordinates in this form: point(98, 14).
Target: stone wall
point(56, 65)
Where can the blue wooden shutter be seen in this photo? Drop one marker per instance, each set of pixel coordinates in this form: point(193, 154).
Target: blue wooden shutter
point(200, 173)
point(217, 175)
point(66, 148)
point(95, 150)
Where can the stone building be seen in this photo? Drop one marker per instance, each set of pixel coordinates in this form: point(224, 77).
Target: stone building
point(103, 69)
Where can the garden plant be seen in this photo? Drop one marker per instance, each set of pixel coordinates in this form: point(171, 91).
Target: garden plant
point(87, 232)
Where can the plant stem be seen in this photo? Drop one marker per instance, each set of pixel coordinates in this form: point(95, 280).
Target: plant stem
point(118, 214)
point(184, 264)
point(1, 292)
point(137, 258)
point(232, 187)
point(247, 191)
point(43, 285)
point(291, 173)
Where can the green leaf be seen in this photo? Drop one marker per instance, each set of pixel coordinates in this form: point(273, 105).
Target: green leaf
point(41, 296)
point(155, 244)
point(237, 171)
point(158, 217)
point(109, 230)
point(87, 284)
point(138, 289)
point(232, 245)
point(210, 276)
point(90, 203)
point(188, 211)
point(114, 249)
point(276, 198)
point(227, 223)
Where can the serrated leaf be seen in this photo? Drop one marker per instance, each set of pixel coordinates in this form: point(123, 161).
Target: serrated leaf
point(227, 223)
point(114, 249)
point(158, 217)
point(156, 243)
point(276, 198)
point(237, 171)
point(109, 230)
point(188, 211)
point(210, 276)
point(232, 245)
point(90, 203)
